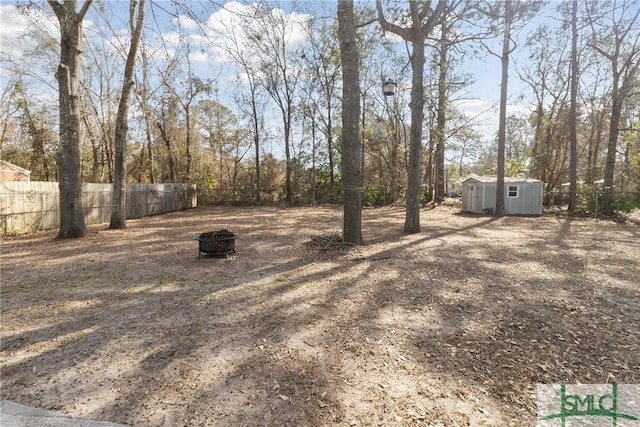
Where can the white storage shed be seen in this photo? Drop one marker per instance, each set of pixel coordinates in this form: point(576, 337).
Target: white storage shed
point(522, 196)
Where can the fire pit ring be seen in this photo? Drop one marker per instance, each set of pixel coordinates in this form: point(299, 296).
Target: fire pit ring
point(217, 243)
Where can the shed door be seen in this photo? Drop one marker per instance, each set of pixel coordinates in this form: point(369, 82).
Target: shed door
point(473, 198)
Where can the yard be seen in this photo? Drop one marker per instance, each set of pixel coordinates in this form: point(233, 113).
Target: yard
point(454, 326)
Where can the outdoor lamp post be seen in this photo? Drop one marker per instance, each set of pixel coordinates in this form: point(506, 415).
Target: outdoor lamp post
point(389, 87)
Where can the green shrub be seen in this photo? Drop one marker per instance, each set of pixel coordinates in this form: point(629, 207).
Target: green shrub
point(375, 196)
point(612, 203)
point(597, 203)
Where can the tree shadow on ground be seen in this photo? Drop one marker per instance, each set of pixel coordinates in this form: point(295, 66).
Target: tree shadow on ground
point(436, 327)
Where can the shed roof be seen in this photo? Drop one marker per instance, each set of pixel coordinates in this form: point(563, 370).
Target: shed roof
point(507, 179)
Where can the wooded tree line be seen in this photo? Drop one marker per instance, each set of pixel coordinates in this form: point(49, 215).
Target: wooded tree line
point(276, 138)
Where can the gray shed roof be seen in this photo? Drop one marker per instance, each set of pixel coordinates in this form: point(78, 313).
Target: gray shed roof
point(507, 179)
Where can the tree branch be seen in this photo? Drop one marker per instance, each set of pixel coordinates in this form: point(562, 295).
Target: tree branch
point(600, 51)
point(388, 26)
point(364, 24)
point(433, 18)
point(84, 9)
point(58, 9)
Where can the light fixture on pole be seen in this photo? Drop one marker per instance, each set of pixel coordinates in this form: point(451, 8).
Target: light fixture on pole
point(389, 87)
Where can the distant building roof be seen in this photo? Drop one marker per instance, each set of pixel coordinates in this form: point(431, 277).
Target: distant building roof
point(11, 172)
point(488, 179)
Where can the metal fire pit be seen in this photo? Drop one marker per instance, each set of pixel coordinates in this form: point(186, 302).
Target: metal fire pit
point(217, 243)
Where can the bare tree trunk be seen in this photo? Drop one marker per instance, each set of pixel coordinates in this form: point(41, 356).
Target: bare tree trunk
point(144, 101)
point(573, 119)
point(332, 178)
point(625, 63)
point(95, 151)
point(169, 145)
point(429, 172)
point(414, 178)
point(279, 77)
point(188, 155)
point(351, 161)
point(416, 34)
point(119, 197)
point(287, 152)
point(441, 117)
point(313, 159)
point(362, 133)
point(68, 156)
point(393, 156)
point(506, 47)
point(594, 146)
point(69, 163)
point(107, 154)
point(256, 142)
point(614, 124)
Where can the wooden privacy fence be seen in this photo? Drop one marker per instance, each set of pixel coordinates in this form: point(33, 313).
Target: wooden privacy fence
point(30, 206)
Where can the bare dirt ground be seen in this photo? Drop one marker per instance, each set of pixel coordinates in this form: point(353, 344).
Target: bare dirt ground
point(453, 326)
